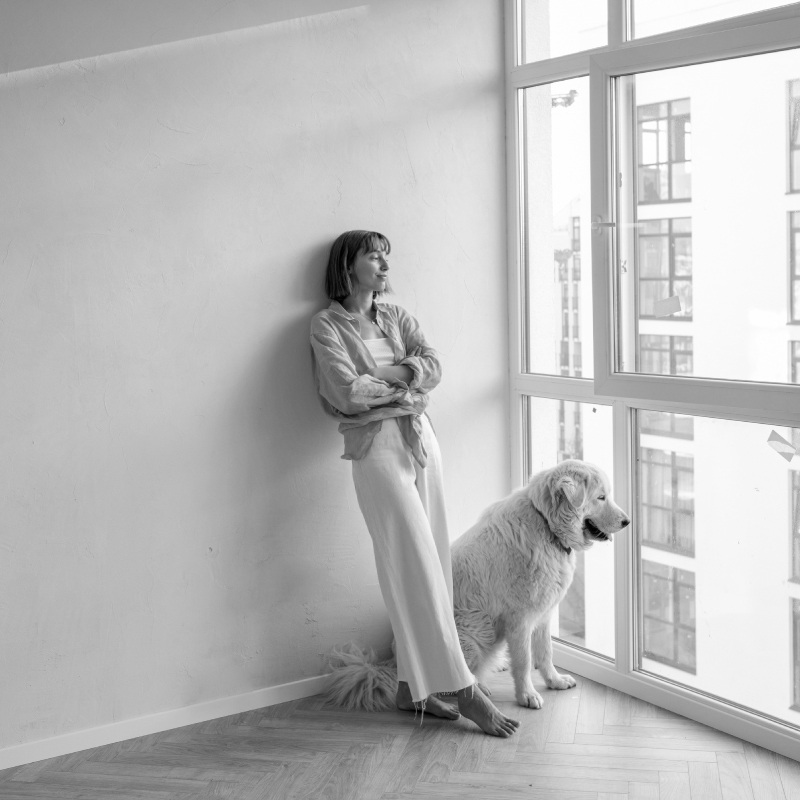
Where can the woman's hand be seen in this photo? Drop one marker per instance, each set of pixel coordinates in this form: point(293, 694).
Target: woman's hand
point(392, 374)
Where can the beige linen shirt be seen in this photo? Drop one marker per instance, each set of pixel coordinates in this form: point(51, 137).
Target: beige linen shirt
point(361, 402)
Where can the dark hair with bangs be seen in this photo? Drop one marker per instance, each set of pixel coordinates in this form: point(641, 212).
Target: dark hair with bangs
point(338, 283)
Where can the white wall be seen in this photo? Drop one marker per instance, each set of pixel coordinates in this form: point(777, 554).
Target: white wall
point(177, 525)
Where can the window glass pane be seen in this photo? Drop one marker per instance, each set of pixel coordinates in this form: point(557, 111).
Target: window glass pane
point(655, 16)
point(557, 228)
point(674, 425)
point(557, 430)
point(793, 118)
point(710, 238)
point(718, 547)
point(796, 651)
point(794, 364)
point(553, 28)
point(795, 169)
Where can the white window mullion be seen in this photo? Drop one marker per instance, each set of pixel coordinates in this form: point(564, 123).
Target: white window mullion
point(624, 545)
point(603, 217)
point(578, 389)
point(554, 69)
point(617, 22)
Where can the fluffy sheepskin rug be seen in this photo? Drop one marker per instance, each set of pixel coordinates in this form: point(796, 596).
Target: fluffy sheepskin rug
point(361, 682)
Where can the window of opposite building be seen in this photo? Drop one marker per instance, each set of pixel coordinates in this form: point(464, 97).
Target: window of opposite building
point(794, 361)
point(794, 135)
point(667, 487)
point(665, 264)
point(669, 615)
point(675, 426)
point(665, 354)
point(665, 152)
point(568, 275)
point(796, 652)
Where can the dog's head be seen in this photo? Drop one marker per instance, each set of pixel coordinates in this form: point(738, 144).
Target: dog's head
point(574, 499)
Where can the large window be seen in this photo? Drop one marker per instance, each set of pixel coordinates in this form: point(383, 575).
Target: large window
point(649, 17)
point(665, 152)
point(554, 431)
point(631, 160)
point(669, 615)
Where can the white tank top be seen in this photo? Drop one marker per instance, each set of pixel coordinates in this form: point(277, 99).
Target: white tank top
point(382, 351)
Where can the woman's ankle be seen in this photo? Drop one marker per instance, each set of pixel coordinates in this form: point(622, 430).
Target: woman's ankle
point(468, 692)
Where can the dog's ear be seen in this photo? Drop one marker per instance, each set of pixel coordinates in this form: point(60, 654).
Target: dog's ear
point(553, 491)
point(559, 494)
point(572, 488)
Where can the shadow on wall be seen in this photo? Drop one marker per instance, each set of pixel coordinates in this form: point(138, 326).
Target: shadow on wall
point(36, 33)
point(283, 477)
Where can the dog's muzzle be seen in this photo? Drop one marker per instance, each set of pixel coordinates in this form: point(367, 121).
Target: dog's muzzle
point(595, 532)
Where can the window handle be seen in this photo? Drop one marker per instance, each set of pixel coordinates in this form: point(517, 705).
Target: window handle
point(598, 225)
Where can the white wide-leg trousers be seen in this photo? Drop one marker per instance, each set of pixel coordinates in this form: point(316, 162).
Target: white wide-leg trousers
point(403, 505)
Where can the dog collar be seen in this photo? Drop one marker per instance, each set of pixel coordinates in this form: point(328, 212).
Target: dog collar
point(567, 550)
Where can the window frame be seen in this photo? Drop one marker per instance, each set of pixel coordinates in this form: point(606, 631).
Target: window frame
point(626, 392)
point(794, 531)
point(793, 224)
point(779, 401)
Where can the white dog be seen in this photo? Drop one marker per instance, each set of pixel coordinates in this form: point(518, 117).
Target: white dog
point(510, 571)
point(515, 565)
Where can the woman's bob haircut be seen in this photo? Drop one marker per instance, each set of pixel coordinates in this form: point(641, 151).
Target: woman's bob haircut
point(338, 283)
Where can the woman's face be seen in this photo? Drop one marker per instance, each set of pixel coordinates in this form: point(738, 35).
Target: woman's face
point(370, 271)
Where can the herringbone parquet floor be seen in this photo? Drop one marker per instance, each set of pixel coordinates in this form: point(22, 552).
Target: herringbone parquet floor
point(588, 743)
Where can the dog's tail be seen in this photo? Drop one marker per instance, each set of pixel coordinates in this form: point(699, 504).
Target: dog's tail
point(360, 682)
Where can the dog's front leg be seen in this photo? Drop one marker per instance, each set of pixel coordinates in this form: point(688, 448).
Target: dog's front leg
point(518, 636)
point(543, 653)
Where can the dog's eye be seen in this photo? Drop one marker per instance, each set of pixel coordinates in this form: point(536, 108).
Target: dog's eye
point(602, 497)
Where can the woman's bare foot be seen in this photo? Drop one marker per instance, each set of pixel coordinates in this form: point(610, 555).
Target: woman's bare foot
point(475, 705)
point(433, 705)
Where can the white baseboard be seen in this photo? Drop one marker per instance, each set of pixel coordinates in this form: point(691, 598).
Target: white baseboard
point(162, 721)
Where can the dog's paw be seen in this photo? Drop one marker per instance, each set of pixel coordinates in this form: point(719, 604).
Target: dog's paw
point(531, 699)
point(484, 688)
point(560, 682)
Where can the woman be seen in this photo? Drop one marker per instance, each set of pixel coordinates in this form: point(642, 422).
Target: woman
point(374, 370)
